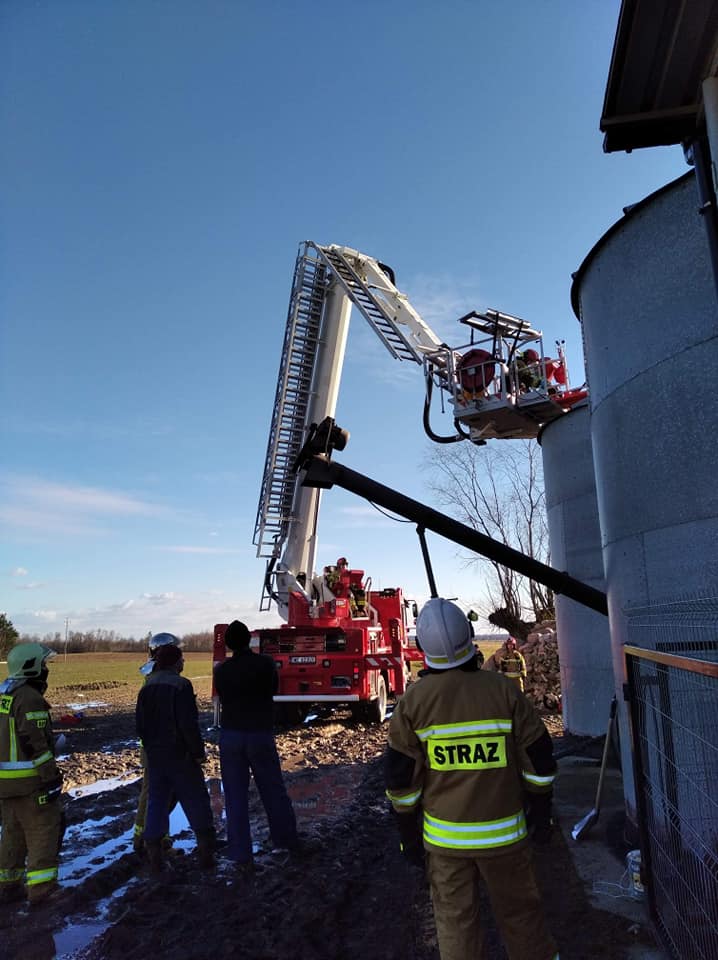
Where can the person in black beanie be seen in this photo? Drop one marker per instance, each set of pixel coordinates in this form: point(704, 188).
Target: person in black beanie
point(245, 685)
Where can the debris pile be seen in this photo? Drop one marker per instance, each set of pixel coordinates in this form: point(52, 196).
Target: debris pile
point(543, 680)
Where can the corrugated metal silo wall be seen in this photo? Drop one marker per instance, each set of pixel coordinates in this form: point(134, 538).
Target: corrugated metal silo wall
point(647, 303)
point(584, 642)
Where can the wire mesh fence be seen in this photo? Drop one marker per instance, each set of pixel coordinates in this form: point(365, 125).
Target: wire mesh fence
point(673, 691)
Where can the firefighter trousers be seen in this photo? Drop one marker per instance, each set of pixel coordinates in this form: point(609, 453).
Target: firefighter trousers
point(30, 843)
point(515, 902)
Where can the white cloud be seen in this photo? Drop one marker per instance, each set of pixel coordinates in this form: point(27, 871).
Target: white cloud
point(30, 586)
point(33, 503)
point(441, 299)
point(175, 612)
point(88, 499)
point(46, 615)
point(18, 572)
point(41, 521)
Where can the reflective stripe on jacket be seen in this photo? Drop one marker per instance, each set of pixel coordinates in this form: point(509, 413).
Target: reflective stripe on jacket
point(27, 746)
point(467, 732)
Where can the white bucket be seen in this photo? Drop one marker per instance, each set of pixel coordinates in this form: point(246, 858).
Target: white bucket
point(635, 884)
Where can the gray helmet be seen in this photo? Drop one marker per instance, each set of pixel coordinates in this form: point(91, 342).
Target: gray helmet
point(163, 640)
point(157, 641)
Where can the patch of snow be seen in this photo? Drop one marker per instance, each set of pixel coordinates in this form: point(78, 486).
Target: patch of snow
point(86, 828)
point(84, 706)
point(121, 745)
point(77, 870)
point(101, 786)
point(76, 936)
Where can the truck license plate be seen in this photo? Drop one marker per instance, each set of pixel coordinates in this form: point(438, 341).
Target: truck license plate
point(302, 659)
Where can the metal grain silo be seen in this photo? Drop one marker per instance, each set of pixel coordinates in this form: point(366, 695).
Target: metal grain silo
point(646, 299)
point(584, 643)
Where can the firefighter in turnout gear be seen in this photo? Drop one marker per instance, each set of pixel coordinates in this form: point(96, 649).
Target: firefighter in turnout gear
point(469, 772)
point(30, 781)
point(509, 661)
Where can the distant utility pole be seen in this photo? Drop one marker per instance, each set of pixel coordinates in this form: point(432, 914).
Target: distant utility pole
point(67, 623)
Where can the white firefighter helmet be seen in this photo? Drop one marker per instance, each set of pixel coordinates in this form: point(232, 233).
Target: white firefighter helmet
point(26, 660)
point(155, 642)
point(444, 634)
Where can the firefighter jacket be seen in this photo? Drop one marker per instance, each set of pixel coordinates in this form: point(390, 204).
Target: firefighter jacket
point(27, 745)
point(467, 746)
point(167, 718)
point(511, 663)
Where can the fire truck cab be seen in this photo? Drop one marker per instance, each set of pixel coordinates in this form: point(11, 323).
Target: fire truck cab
point(356, 648)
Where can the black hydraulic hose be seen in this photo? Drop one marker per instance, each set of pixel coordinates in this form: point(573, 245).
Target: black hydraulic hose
point(325, 474)
point(385, 268)
point(425, 419)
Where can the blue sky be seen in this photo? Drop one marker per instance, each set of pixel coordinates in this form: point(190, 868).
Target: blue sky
point(161, 163)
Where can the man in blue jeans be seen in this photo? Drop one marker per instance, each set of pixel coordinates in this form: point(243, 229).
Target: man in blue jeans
point(245, 684)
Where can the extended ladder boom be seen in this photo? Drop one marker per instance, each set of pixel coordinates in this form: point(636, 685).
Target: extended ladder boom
point(371, 288)
point(327, 280)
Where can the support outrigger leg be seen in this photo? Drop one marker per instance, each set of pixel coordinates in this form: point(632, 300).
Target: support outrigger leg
point(421, 533)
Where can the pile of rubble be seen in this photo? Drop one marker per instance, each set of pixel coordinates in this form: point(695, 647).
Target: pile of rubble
point(543, 681)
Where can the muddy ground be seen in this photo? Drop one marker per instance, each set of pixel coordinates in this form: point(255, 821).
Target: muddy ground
point(347, 894)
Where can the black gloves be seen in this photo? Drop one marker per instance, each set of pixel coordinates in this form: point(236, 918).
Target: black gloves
point(538, 817)
point(411, 843)
point(52, 789)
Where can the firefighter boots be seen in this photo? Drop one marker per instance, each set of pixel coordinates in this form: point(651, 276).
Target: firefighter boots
point(205, 849)
point(153, 849)
point(11, 892)
point(40, 893)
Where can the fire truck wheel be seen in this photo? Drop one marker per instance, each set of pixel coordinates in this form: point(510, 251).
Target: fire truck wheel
point(376, 709)
point(289, 714)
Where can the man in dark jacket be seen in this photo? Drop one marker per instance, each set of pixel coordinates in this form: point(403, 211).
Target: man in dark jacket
point(157, 641)
point(246, 684)
point(168, 726)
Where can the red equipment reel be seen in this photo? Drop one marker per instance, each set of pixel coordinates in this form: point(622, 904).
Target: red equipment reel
point(476, 369)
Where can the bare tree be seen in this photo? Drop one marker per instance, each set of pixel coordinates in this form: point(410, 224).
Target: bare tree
point(498, 490)
point(8, 634)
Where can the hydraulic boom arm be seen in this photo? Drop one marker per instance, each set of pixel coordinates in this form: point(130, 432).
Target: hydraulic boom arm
point(327, 281)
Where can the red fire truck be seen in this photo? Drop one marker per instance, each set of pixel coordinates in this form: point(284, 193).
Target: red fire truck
point(356, 648)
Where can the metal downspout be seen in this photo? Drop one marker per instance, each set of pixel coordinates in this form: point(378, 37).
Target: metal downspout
point(705, 158)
